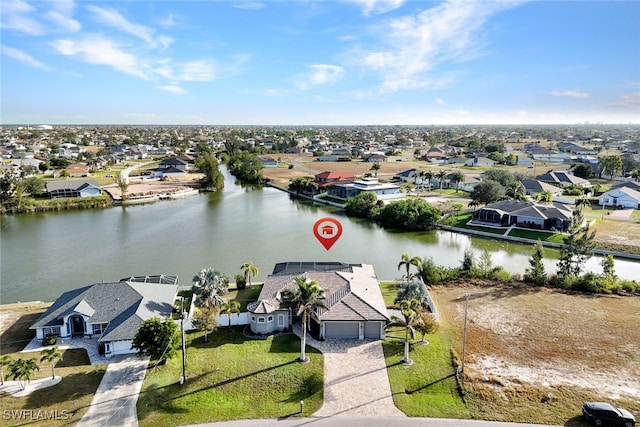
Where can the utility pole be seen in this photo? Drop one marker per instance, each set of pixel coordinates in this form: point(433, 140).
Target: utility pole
point(183, 379)
point(464, 331)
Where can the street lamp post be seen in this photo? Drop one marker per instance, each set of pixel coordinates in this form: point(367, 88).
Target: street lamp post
point(183, 379)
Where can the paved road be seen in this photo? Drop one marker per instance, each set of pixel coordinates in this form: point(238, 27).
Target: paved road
point(114, 404)
point(367, 422)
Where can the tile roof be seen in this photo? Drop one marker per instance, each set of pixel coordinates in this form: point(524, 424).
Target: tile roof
point(351, 291)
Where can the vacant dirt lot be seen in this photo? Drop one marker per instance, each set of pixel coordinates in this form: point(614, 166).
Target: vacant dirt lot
point(521, 336)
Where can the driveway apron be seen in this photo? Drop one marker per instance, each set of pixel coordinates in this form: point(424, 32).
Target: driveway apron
point(355, 379)
point(114, 403)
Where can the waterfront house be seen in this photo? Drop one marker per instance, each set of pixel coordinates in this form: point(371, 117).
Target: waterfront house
point(73, 188)
point(355, 307)
point(505, 213)
point(111, 313)
point(268, 162)
point(346, 189)
point(326, 178)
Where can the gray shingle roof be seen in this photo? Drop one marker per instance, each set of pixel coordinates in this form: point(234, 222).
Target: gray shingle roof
point(77, 185)
point(124, 305)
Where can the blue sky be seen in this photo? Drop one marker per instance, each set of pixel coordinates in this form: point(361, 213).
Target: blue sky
point(319, 62)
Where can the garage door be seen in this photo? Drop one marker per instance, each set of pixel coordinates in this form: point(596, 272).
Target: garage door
point(372, 330)
point(341, 330)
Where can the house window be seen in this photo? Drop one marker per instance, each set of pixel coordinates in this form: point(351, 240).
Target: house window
point(253, 318)
point(52, 331)
point(260, 319)
point(99, 328)
point(270, 319)
point(107, 348)
point(280, 320)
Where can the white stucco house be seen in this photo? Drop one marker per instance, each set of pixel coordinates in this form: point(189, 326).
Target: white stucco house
point(355, 307)
point(111, 313)
point(625, 197)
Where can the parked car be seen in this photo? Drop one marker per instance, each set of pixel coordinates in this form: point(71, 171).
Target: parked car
point(605, 414)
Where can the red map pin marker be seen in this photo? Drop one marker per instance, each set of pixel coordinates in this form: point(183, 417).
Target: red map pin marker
point(327, 231)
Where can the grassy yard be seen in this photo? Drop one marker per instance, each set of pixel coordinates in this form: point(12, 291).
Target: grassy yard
point(244, 296)
point(80, 379)
point(428, 387)
point(233, 377)
point(541, 235)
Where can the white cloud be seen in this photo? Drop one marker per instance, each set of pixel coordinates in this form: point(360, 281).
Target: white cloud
point(414, 45)
point(320, 74)
point(197, 71)
point(22, 57)
point(173, 89)
point(15, 16)
point(61, 14)
point(168, 22)
point(631, 100)
point(377, 7)
point(441, 101)
point(570, 94)
point(251, 5)
point(99, 50)
point(112, 18)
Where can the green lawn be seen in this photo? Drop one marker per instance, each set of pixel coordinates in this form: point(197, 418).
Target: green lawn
point(244, 296)
point(538, 235)
point(389, 292)
point(233, 377)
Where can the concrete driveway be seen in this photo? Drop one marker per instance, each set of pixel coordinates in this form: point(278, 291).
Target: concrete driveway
point(114, 403)
point(355, 379)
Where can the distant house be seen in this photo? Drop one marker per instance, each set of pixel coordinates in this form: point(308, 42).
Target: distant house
point(621, 197)
point(268, 162)
point(374, 157)
point(344, 190)
point(533, 187)
point(111, 312)
point(355, 307)
point(169, 172)
point(173, 162)
point(480, 161)
point(563, 178)
point(408, 175)
point(77, 188)
point(327, 178)
point(505, 213)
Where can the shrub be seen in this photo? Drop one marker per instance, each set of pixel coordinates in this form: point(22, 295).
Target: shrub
point(49, 339)
point(241, 282)
point(500, 274)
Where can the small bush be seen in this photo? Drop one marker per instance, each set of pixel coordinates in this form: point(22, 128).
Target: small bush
point(49, 339)
point(241, 282)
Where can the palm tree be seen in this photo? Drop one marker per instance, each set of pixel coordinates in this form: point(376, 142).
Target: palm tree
point(123, 184)
point(4, 361)
point(22, 371)
point(407, 262)
point(249, 270)
point(229, 308)
point(441, 177)
point(429, 176)
point(306, 298)
point(582, 202)
point(409, 321)
point(210, 284)
point(515, 190)
point(458, 177)
point(50, 355)
point(474, 204)
point(545, 197)
point(376, 167)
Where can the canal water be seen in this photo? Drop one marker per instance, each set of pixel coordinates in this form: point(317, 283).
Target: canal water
point(43, 255)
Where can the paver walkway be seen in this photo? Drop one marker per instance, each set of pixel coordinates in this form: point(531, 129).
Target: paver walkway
point(114, 403)
point(355, 378)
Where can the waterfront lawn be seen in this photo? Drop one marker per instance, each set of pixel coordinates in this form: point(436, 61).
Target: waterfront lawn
point(389, 292)
point(244, 296)
point(233, 377)
point(538, 235)
point(428, 387)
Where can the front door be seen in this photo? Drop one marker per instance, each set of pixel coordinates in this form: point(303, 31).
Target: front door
point(77, 325)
